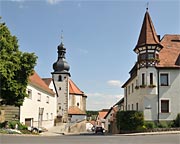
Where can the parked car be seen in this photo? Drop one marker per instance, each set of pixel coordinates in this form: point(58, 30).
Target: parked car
point(36, 130)
point(99, 130)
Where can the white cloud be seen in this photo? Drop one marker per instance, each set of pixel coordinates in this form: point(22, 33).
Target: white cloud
point(98, 101)
point(53, 2)
point(115, 83)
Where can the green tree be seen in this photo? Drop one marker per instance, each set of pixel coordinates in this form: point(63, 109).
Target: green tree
point(15, 68)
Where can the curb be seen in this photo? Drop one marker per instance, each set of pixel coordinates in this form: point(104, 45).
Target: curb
point(150, 133)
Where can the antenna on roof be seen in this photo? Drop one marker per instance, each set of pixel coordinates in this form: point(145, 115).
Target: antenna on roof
point(147, 5)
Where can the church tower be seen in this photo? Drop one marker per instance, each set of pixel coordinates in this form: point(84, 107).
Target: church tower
point(60, 78)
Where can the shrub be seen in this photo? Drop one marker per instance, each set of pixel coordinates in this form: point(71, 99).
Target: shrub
point(162, 124)
point(177, 121)
point(129, 120)
point(150, 124)
point(12, 125)
point(3, 124)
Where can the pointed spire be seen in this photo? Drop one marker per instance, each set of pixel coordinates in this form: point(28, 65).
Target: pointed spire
point(147, 6)
point(62, 36)
point(148, 34)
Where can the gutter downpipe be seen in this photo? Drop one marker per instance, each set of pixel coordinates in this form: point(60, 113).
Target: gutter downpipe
point(158, 93)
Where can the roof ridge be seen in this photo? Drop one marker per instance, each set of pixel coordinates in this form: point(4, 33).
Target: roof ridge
point(37, 81)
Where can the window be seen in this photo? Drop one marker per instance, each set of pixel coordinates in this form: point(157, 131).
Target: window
point(150, 56)
point(47, 99)
point(132, 107)
point(132, 87)
point(165, 106)
point(142, 56)
point(143, 79)
point(29, 92)
point(39, 97)
point(137, 106)
point(164, 79)
point(128, 89)
point(60, 78)
point(151, 78)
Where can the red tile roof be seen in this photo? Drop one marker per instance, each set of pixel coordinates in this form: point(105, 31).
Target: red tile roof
point(102, 113)
point(170, 54)
point(73, 89)
point(47, 80)
point(148, 34)
point(74, 110)
point(38, 82)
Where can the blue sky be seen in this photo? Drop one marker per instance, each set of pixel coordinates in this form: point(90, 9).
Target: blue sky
point(99, 36)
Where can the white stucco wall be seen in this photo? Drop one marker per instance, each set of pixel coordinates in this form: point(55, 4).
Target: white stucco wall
point(30, 108)
point(107, 120)
point(172, 93)
point(147, 98)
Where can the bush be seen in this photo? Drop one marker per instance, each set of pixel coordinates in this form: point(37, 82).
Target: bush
point(150, 124)
point(129, 120)
point(12, 125)
point(177, 121)
point(162, 124)
point(3, 124)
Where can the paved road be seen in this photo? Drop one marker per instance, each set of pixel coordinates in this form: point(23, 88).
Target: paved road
point(92, 139)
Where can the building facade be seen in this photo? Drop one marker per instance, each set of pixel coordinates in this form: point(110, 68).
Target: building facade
point(39, 108)
point(153, 86)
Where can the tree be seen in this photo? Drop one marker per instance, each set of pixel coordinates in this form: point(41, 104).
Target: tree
point(15, 68)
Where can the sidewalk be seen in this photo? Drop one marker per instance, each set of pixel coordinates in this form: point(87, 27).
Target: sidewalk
point(55, 131)
point(151, 133)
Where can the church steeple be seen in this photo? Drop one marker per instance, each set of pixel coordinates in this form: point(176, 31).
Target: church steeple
point(148, 45)
point(61, 66)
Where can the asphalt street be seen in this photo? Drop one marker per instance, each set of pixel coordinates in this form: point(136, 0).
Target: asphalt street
point(92, 139)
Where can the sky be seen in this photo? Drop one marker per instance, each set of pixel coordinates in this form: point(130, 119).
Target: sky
point(99, 36)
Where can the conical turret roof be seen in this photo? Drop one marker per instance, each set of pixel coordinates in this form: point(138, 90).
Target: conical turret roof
point(148, 34)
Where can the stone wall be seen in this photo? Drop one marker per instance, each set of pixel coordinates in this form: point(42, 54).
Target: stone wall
point(9, 113)
point(2, 117)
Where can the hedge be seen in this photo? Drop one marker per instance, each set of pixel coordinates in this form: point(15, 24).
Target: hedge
point(129, 120)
